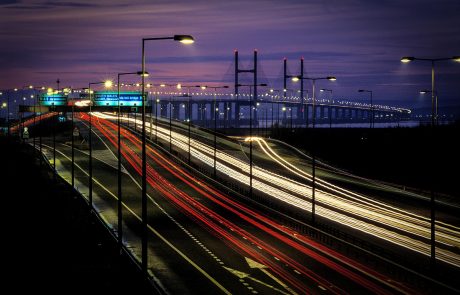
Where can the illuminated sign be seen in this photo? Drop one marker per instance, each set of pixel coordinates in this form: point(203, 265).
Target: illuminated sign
point(50, 99)
point(127, 98)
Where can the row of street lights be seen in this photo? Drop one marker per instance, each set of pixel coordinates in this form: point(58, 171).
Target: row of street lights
point(434, 103)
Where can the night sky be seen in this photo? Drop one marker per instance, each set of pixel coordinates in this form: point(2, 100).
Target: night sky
point(358, 41)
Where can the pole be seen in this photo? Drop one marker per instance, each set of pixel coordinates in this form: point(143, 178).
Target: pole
point(35, 115)
point(237, 104)
point(215, 130)
point(301, 84)
point(432, 94)
point(170, 124)
point(250, 143)
point(313, 155)
point(119, 201)
point(73, 150)
point(8, 112)
point(330, 111)
point(156, 120)
point(144, 172)
point(189, 115)
point(54, 148)
point(40, 138)
point(90, 153)
point(372, 112)
point(433, 169)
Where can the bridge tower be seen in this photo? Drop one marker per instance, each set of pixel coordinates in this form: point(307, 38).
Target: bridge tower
point(237, 72)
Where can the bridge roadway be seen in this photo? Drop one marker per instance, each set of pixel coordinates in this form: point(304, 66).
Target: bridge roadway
point(202, 241)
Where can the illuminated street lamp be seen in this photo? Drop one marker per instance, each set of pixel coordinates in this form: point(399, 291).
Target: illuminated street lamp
point(330, 105)
point(251, 106)
point(277, 105)
point(107, 84)
point(371, 117)
point(119, 201)
point(185, 39)
point(425, 91)
point(189, 113)
point(313, 80)
point(407, 59)
point(216, 112)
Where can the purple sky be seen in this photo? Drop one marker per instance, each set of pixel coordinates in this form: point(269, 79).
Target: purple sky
point(358, 41)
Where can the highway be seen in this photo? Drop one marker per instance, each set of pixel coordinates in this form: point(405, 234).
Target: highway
point(246, 246)
point(357, 211)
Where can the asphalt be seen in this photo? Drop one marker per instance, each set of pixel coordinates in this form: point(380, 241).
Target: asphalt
point(50, 241)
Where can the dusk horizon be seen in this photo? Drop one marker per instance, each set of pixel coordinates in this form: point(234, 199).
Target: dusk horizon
point(360, 43)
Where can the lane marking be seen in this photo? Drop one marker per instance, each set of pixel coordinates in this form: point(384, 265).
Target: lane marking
point(185, 257)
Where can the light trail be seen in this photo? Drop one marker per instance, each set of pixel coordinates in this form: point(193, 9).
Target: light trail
point(222, 228)
point(353, 210)
point(289, 238)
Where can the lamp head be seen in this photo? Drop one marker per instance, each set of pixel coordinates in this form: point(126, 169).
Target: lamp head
point(179, 86)
point(185, 39)
point(162, 85)
point(203, 87)
point(424, 91)
point(361, 90)
point(271, 90)
point(108, 84)
point(263, 84)
point(295, 79)
point(407, 59)
point(331, 78)
point(456, 58)
point(142, 74)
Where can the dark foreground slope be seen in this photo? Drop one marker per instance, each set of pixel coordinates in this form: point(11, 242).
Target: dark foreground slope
point(49, 240)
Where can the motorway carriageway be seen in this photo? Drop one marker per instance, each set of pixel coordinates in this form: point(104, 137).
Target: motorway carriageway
point(254, 236)
point(372, 217)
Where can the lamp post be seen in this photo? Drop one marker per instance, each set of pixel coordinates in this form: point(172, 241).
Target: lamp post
point(313, 80)
point(425, 91)
point(277, 104)
point(107, 84)
point(216, 112)
point(189, 116)
point(251, 106)
point(330, 105)
point(73, 141)
point(371, 117)
point(119, 190)
point(185, 39)
point(407, 59)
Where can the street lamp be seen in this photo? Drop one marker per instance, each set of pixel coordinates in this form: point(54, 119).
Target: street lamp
point(216, 111)
point(189, 114)
point(313, 80)
point(277, 104)
point(107, 84)
point(185, 39)
point(425, 91)
point(330, 105)
point(407, 59)
point(371, 117)
point(119, 201)
point(251, 106)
